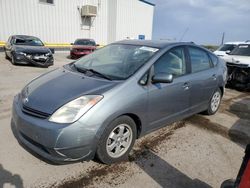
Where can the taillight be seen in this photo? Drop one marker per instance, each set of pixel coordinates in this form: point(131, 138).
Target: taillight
point(245, 179)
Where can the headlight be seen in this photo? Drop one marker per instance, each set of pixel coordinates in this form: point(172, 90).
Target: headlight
point(48, 54)
point(73, 110)
point(20, 53)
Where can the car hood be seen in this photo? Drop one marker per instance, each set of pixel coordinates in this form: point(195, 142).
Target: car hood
point(83, 47)
point(49, 92)
point(32, 49)
point(237, 59)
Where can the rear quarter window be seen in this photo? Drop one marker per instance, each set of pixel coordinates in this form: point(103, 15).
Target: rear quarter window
point(214, 59)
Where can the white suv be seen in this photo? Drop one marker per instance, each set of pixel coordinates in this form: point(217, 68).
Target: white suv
point(226, 48)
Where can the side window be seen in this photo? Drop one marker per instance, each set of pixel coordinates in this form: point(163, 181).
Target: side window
point(214, 59)
point(199, 60)
point(47, 1)
point(172, 62)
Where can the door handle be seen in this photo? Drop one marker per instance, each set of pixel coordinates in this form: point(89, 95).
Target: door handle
point(186, 86)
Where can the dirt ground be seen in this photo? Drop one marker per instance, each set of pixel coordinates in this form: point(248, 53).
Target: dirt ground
point(184, 154)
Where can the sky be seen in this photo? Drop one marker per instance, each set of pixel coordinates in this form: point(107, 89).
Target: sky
point(202, 21)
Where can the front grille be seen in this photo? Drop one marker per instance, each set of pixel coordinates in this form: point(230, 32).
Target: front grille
point(237, 65)
point(83, 50)
point(35, 113)
point(39, 60)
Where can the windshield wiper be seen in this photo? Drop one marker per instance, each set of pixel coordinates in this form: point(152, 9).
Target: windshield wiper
point(100, 74)
point(84, 70)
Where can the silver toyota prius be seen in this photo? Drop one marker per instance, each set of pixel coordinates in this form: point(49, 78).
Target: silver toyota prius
point(98, 105)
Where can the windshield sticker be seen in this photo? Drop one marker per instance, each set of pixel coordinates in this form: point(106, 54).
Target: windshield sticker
point(148, 49)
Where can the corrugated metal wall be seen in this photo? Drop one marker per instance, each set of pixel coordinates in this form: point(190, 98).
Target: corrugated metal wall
point(134, 18)
point(56, 23)
point(61, 22)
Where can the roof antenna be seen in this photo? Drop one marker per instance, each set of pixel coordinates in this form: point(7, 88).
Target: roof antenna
point(184, 33)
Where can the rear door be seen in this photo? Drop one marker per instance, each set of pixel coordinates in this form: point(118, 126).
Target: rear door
point(168, 102)
point(203, 80)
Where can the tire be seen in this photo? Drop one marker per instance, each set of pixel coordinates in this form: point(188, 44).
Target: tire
point(228, 184)
point(214, 103)
point(114, 145)
point(13, 61)
point(6, 57)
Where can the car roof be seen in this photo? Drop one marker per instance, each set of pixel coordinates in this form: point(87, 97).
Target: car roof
point(85, 39)
point(150, 43)
point(236, 42)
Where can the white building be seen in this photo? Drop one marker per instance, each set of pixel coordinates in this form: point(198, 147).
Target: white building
point(62, 21)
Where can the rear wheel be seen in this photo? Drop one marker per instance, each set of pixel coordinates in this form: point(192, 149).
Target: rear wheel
point(214, 103)
point(117, 140)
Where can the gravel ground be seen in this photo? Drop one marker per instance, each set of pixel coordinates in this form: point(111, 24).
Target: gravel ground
point(179, 155)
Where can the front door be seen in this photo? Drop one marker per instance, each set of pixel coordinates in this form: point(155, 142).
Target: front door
point(168, 102)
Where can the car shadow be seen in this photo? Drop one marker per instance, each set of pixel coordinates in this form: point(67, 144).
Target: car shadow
point(7, 177)
point(69, 57)
point(240, 131)
point(165, 174)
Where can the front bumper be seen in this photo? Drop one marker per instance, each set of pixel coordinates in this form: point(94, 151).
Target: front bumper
point(78, 54)
point(238, 75)
point(54, 142)
point(22, 59)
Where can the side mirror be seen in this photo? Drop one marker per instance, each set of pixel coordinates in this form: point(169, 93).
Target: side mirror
point(228, 52)
point(71, 43)
point(97, 44)
point(162, 78)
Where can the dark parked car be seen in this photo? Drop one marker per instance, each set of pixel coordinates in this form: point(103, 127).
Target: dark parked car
point(82, 47)
point(23, 49)
point(243, 178)
point(101, 103)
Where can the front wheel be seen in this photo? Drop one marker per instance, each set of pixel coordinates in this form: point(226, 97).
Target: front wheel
point(214, 103)
point(117, 140)
point(6, 56)
point(13, 61)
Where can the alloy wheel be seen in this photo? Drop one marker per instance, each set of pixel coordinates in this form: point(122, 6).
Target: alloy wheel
point(119, 140)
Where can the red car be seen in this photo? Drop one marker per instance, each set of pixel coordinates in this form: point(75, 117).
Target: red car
point(82, 47)
point(243, 178)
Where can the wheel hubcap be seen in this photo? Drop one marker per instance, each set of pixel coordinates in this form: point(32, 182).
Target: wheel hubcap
point(215, 102)
point(119, 140)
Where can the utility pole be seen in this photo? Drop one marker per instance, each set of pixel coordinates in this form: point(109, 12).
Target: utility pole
point(184, 33)
point(223, 36)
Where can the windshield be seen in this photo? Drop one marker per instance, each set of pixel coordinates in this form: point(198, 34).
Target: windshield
point(85, 42)
point(28, 41)
point(227, 47)
point(117, 61)
point(243, 50)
